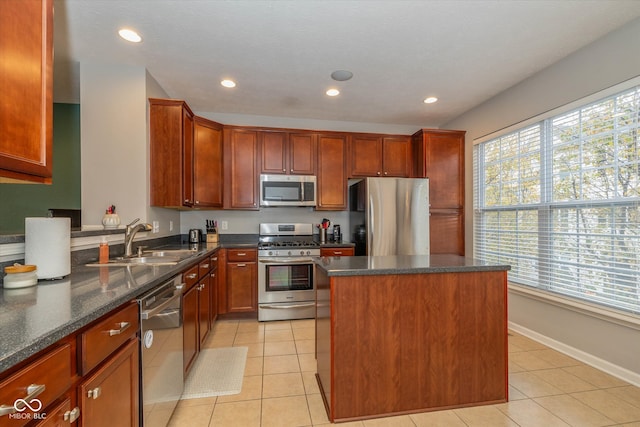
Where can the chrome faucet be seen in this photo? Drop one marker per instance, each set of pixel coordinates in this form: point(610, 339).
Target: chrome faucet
point(130, 232)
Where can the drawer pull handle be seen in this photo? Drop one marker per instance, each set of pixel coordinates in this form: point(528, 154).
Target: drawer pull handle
point(33, 391)
point(123, 327)
point(241, 254)
point(204, 266)
point(72, 415)
point(337, 252)
point(241, 265)
point(192, 276)
point(95, 393)
point(215, 259)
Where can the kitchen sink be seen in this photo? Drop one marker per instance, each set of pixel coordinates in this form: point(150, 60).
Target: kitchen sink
point(161, 253)
point(143, 260)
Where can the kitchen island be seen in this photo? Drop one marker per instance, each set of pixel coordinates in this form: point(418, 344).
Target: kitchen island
point(405, 334)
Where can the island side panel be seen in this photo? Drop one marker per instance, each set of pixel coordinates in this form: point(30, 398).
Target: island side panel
point(323, 336)
point(409, 343)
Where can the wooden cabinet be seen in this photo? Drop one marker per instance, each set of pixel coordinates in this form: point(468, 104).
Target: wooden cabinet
point(439, 156)
point(46, 379)
point(242, 284)
point(332, 175)
point(109, 362)
point(171, 153)
point(112, 391)
point(207, 164)
point(213, 283)
point(241, 154)
point(337, 251)
point(190, 320)
point(197, 305)
point(379, 155)
point(284, 153)
point(26, 82)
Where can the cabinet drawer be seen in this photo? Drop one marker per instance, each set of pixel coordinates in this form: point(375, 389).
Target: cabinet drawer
point(107, 336)
point(46, 379)
point(190, 277)
point(204, 267)
point(337, 252)
point(239, 255)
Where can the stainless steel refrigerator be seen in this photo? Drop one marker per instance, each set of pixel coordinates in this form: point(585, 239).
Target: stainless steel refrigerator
point(390, 216)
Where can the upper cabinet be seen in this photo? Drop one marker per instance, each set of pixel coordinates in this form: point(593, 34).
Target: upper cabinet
point(284, 153)
point(241, 159)
point(171, 153)
point(332, 174)
point(207, 163)
point(26, 82)
point(379, 156)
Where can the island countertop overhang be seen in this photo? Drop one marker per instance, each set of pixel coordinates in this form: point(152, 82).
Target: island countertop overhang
point(403, 264)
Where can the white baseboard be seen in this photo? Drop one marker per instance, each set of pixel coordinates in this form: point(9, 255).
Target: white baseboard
point(591, 360)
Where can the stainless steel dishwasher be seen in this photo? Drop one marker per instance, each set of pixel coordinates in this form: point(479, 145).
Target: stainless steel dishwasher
point(162, 380)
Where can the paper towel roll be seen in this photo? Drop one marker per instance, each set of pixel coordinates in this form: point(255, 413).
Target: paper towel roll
point(47, 244)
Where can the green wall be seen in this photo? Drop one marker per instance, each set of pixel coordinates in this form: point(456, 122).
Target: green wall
point(18, 201)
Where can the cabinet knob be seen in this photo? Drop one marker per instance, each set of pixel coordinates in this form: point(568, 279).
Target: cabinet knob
point(378, 173)
point(284, 170)
point(386, 173)
point(95, 393)
point(197, 202)
point(72, 415)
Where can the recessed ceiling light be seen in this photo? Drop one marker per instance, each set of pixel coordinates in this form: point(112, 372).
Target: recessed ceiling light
point(341, 75)
point(130, 35)
point(333, 92)
point(430, 100)
point(228, 83)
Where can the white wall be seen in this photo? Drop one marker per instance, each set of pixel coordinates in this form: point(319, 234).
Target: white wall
point(114, 144)
point(604, 63)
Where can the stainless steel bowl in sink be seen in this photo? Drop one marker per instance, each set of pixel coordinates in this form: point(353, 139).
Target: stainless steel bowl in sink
point(180, 253)
point(143, 260)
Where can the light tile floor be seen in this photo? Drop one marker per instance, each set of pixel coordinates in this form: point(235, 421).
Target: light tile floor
point(547, 388)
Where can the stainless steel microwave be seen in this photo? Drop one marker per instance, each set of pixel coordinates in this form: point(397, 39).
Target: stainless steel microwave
point(287, 190)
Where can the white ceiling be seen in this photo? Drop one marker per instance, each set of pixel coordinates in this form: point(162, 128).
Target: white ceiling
point(282, 53)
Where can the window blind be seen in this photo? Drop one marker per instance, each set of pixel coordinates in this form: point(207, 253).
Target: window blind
point(559, 200)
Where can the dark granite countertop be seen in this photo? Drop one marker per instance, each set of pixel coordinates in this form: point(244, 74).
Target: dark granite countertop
point(33, 318)
point(403, 264)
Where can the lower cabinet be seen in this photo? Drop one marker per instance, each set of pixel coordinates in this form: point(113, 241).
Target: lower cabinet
point(242, 280)
point(190, 321)
point(110, 396)
point(337, 251)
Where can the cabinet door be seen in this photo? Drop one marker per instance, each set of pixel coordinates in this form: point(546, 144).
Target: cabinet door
point(171, 153)
point(440, 157)
point(302, 154)
point(26, 82)
point(242, 287)
point(187, 157)
point(190, 320)
point(446, 231)
point(274, 152)
point(395, 152)
point(365, 156)
point(207, 170)
point(332, 177)
point(204, 307)
point(112, 391)
point(241, 169)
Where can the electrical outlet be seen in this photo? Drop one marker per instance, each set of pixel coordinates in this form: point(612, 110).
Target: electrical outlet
point(225, 225)
point(170, 225)
point(156, 227)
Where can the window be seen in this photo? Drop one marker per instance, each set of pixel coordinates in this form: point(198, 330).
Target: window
point(559, 200)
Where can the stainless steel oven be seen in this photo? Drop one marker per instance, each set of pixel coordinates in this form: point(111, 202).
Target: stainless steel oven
point(285, 272)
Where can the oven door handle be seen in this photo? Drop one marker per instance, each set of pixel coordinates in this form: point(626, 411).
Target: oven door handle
point(312, 304)
point(286, 261)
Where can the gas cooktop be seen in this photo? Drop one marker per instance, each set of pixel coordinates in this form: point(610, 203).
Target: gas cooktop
point(296, 244)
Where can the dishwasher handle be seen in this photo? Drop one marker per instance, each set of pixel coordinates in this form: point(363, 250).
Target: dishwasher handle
point(147, 314)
